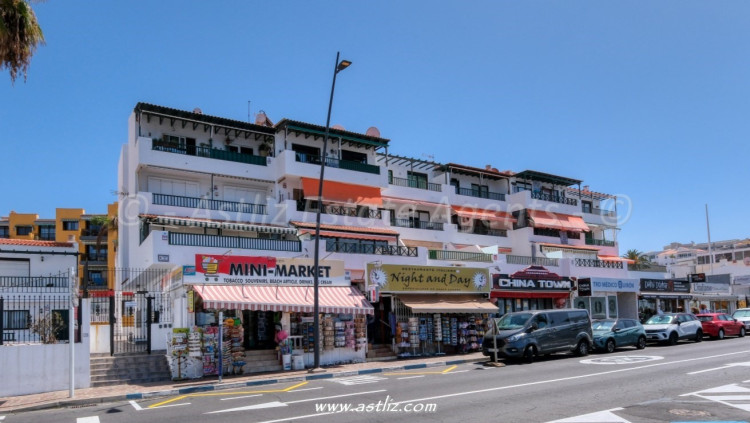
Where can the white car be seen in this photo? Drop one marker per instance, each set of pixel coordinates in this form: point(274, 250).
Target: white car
point(743, 315)
point(671, 327)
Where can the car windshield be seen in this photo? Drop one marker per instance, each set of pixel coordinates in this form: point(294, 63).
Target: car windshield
point(602, 324)
point(741, 313)
point(659, 320)
point(513, 321)
point(705, 318)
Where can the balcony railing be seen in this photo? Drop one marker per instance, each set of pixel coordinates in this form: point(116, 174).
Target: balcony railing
point(10, 284)
point(601, 212)
point(209, 152)
point(415, 183)
point(204, 203)
point(480, 194)
point(554, 198)
point(417, 224)
point(460, 256)
point(218, 241)
point(601, 242)
point(362, 212)
point(490, 232)
point(337, 163)
point(532, 261)
point(605, 264)
point(384, 250)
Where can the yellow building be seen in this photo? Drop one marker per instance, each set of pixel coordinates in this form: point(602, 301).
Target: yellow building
point(74, 225)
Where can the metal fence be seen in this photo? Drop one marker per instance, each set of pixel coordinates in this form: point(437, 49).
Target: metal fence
point(37, 319)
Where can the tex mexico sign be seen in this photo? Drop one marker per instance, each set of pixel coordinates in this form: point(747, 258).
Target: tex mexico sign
point(248, 270)
point(401, 278)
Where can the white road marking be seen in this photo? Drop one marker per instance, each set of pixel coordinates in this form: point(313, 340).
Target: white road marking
point(409, 377)
point(605, 416)
point(2, 418)
point(251, 407)
point(358, 380)
point(169, 405)
point(741, 394)
point(246, 396)
point(335, 396)
point(136, 406)
point(92, 419)
point(458, 371)
point(296, 418)
point(285, 404)
point(623, 359)
point(745, 364)
point(630, 369)
point(302, 390)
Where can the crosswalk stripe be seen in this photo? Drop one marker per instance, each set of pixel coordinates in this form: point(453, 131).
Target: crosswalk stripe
point(358, 380)
point(92, 419)
point(728, 397)
point(606, 416)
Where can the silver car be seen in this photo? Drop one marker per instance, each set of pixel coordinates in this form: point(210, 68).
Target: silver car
point(743, 315)
point(671, 327)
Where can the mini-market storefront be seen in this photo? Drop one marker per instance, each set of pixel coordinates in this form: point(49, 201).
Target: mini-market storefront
point(713, 295)
point(433, 310)
point(667, 295)
point(533, 288)
point(263, 293)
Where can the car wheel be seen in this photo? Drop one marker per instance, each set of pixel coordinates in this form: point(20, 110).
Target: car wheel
point(610, 347)
point(742, 332)
point(698, 336)
point(720, 335)
point(528, 354)
point(672, 338)
point(641, 344)
point(582, 349)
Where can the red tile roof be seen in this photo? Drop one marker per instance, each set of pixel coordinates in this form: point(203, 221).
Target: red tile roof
point(34, 243)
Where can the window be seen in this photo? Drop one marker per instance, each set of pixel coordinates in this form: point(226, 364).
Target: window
point(522, 186)
point(16, 320)
point(306, 154)
point(23, 230)
point(233, 148)
point(481, 191)
point(70, 225)
point(587, 206)
point(354, 156)
point(540, 320)
point(390, 176)
point(96, 277)
point(4, 232)
point(47, 233)
point(417, 180)
point(246, 150)
point(454, 183)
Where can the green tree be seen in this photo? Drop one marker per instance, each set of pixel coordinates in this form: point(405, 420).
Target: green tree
point(20, 34)
point(639, 259)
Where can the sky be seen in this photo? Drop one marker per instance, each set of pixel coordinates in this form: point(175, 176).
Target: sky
point(646, 100)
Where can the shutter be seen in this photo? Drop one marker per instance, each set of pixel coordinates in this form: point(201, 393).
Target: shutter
point(10, 267)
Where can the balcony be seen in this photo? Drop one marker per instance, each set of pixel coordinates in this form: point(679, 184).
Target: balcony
point(203, 203)
point(537, 195)
point(209, 152)
point(415, 183)
point(417, 224)
point(337, 163)
point(489, 232)
point(385, 250)
point(34, 283)
point(600, 212)
point(600, 242)
point(362, 212)
point(460, 256)
point(470, 192)
point(532, 261)
point(217, 241)
point(604, 264)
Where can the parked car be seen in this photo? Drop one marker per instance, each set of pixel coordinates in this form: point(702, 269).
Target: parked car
point(671, 327)
point(612, 333)
point(527, 334)
point(718, 325)
point(743, 315)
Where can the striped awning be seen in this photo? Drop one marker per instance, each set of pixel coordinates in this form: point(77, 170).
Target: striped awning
point(237, 226)
point(299, 299)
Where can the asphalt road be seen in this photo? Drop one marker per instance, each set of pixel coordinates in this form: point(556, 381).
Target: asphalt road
point(707, 382)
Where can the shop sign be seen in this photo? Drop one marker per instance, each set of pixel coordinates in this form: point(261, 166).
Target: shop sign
point(584, 287)
point(191, 301)
point(710, 288)
point(664, 285)
point(188, 270)
point(401, 278)
point(742, 280)
point(533, 278)
point(697, 277)
point(614, 285)
point(249, 270)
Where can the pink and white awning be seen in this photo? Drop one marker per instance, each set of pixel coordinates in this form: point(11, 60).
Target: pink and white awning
point(299, 299)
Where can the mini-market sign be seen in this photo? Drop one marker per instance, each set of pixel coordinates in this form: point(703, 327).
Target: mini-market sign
point(399, 278)
point(249, 270)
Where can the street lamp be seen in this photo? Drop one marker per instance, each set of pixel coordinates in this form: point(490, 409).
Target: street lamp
point(340, 65)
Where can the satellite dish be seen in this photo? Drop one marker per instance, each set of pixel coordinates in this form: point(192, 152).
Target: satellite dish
point(373, 132)
point(197, 110)
point(260, 118)
point(339, 127)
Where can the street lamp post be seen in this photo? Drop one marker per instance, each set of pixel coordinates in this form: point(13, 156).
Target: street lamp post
point(340, 65)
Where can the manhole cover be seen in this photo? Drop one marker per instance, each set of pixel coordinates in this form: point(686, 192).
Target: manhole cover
point(689, 413)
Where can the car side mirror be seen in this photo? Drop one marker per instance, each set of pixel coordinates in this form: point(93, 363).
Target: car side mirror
point(679, 323)
point(615, 329)
point(534, 326)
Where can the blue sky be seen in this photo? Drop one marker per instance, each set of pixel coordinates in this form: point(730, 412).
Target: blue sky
point(645, 100)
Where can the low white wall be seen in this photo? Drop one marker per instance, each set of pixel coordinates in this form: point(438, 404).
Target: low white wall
point(31, 369)
point(99, 336)
point(159, 334)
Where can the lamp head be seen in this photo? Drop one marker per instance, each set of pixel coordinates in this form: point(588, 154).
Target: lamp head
point(343, 65)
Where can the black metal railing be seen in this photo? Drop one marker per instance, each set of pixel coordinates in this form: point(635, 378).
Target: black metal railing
point(601, 242)
point(417, 224)
point(338, 163)
point(208, 204)
point(35, 283)
point(604, 264)
point(553, 198)
point(460, 256)
point(415, 183)
point(384, 250)
point(36, 319)
point(490, 232)
point(363, 212)
point(218, 241)
point(532, 261)
point(212, 153)
point(471, 192)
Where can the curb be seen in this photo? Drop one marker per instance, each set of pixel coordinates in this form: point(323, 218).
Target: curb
point(224, 386)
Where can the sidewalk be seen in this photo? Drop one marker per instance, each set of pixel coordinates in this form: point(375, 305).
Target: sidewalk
point(135, 392)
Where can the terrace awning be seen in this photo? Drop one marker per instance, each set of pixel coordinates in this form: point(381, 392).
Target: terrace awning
point(340, 192)
point(563, 222)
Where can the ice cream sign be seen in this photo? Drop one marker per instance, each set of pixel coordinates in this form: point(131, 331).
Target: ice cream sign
point(249, 270)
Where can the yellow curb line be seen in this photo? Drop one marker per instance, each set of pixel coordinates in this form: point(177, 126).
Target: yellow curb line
point(213, 394)
point(451, 368)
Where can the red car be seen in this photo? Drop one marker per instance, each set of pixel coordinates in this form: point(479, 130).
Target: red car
point(717, 325)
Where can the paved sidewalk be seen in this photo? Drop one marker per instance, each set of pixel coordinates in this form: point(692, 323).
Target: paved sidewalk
point(134, 392)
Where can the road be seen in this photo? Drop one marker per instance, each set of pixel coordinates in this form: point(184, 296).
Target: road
point(707, 381)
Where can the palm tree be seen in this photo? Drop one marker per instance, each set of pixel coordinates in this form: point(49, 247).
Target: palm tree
point(20, 34)
point(639, 259)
